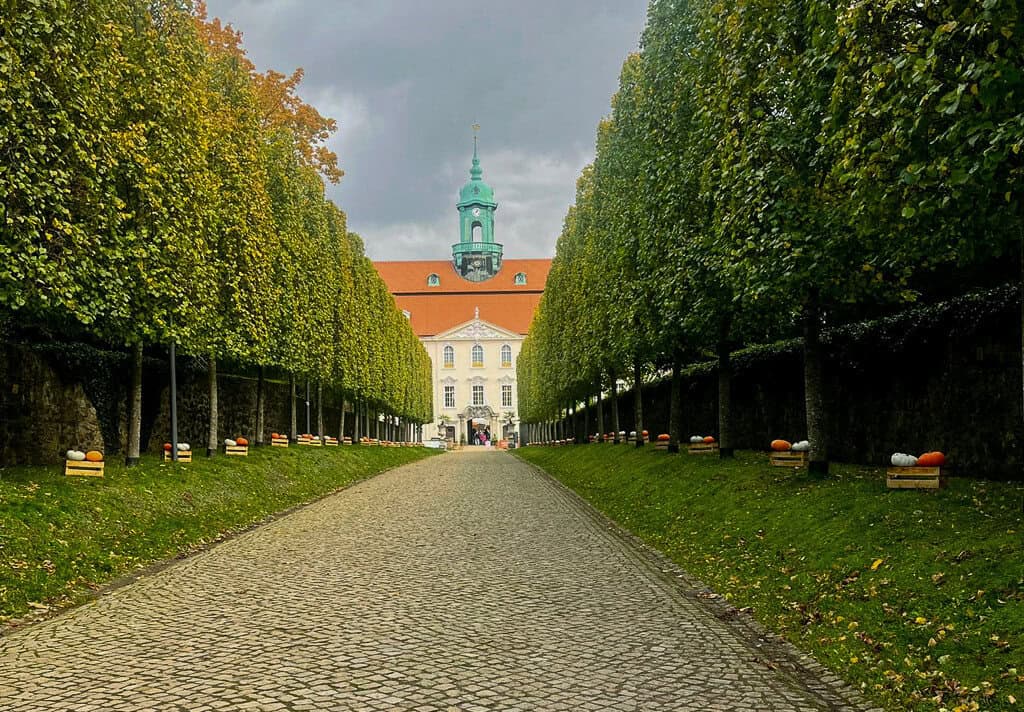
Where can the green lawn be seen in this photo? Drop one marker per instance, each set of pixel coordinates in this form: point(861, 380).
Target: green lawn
point(61, 536)
point(916, 597)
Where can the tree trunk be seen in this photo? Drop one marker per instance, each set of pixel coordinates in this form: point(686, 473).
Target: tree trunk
point(615, 409)
point(600, 414)
point(211, 434)
point(355, 421)
point(725, 447)
point(341, 422)
point(135, 409)
point(320, 410)
point(295, 420)
point(260, 399)
point(675, 404)
point(638, 402)
point(814, 387)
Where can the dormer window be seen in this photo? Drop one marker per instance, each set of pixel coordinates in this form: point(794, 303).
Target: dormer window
point(434, 281)
point(520, 278)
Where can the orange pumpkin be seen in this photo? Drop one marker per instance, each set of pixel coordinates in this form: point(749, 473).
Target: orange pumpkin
point(644, 433)
point(167, 447)
point(274, 435)
point(931, 459)
point(781, 445)
point(94, 456)
point(241, 441)
point(663, 437)
point(709, 439)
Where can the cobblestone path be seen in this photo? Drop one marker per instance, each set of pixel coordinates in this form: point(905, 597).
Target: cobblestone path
point(468, 581)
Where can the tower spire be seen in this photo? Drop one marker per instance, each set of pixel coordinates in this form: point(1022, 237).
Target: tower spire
point(475, 173)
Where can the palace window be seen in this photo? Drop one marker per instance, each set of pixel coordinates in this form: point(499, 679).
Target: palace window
point(506, 396)
point(449, 357)
point(478, 356)
point(434, 281)
point(449, 396)
point(520, 278)
point(506, 356)
point(478, 395)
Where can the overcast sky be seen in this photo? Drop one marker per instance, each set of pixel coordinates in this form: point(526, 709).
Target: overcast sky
point(406, 79)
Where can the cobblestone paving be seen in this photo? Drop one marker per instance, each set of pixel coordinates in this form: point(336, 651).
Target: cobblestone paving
point(468, 581)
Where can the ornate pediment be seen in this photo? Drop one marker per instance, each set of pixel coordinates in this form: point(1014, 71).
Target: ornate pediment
point(477, 330)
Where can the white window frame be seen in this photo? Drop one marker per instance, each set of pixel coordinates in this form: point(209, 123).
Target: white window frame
point(477, 349)
point(433, 280)
point(449, 390)
point(506, 349)
point(520, 278)
point(445, 362)
point(506, 390)
point(478, 389)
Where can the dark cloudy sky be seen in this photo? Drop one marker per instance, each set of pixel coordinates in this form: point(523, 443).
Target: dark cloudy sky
point(406, 79)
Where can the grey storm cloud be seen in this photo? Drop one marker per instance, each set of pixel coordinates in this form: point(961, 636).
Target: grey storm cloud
point(406, 80)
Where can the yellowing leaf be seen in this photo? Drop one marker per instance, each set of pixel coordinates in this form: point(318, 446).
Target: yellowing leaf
point(876, 564)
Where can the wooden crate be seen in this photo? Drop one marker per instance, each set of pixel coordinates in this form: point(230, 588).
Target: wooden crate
point(279, 441)
point(315, 442)
point(788, 459)
point(183, 456)
point(331, 442)
point(914, 478)
point(83, 468)
point(702, 448)
point(237, 450)
point(661, 444)
point(346, 441)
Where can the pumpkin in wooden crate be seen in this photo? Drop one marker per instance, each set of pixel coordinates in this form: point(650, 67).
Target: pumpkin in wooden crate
point(94, 456)
point(167, 447)
point(709, 439)
point(275, 435)
point(242, 441)
point(229, 442)
point(664, 437)
point(694, 439)
point(931, 459)
point(645, 433)
point(781, 445)
point(802, 446)
point(75, 455)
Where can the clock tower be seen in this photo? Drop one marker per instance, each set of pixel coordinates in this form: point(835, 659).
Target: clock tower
point(477, 256)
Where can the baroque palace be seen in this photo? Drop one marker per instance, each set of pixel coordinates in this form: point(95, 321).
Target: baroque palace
point(471, 313)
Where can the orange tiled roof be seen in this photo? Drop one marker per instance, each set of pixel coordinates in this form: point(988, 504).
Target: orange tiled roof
point(434, 310)
point(432, 314)
point(410, 277)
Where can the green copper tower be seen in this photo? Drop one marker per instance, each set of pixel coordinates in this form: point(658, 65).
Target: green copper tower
point(477, 256)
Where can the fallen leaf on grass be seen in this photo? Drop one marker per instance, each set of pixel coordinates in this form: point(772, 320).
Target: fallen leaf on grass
point(876, 564)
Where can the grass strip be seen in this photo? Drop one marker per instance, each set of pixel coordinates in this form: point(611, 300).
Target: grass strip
point(63, 537)
point(916, 597)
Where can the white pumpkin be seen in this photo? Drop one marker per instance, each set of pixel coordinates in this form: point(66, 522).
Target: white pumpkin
point(632, 433)
point(802, 446)
point(75, 455)
point(622, 433)
point(184, 447)
point(900, 459)
point(229, 442)
point(696, 439)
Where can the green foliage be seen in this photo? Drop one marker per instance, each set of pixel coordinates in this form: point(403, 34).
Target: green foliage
point(770, 165)
point(918, 597)
point(150, 173)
